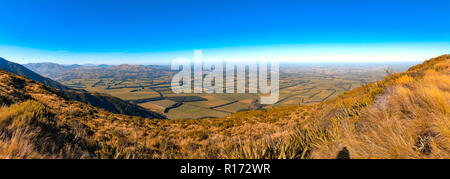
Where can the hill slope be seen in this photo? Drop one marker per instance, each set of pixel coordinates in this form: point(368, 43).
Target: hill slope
point(49, 69)
point(406, 115)
point(23, 71)
point(104, 101)
point(110, 103)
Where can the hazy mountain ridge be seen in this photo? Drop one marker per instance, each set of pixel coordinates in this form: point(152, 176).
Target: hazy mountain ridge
point(149, 86)
point(49, 67)
point(123, 71)
point(47, 125)
point(53, 70)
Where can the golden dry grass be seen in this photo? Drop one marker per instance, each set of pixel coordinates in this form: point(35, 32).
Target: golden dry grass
point(405, 115)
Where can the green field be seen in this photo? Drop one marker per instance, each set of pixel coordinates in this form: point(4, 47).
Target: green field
point(299, 84)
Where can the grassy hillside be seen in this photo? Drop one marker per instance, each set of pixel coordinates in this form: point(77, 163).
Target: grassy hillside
point(110, 103)
point(406, 115)
point(36, 121)
point(21, 70)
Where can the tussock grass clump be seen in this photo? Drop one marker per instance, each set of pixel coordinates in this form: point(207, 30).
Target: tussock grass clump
point(30, 130)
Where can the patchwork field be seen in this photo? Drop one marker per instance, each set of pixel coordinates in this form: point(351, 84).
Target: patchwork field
point(299, 84)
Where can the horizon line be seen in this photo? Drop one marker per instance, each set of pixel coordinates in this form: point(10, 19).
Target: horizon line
point(300, 53)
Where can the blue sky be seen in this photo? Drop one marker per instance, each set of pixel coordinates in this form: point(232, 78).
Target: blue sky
point(100, 31)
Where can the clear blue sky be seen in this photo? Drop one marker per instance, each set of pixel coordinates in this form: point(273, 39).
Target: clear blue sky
point(139, 26)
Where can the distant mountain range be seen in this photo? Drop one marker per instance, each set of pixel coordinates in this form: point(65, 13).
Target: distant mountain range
point(110, 103)
point(48, 67)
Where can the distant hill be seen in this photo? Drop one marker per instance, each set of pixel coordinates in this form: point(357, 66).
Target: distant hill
point(103, 66)
point(118, 72)
point(405, 115)
point(110, 103)
point(104, 101)
point(37, 121)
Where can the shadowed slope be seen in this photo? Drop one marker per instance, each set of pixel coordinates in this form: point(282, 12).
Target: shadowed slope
point(36, 121)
